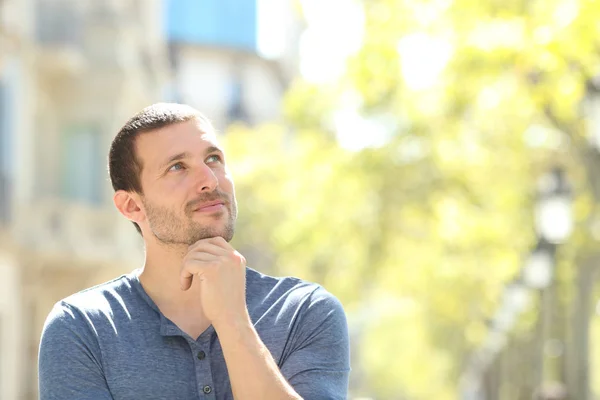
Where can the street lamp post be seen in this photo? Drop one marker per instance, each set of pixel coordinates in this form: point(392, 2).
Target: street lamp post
point(554, 224)
point(587, 265)
point(539, 269)
point(553, 217)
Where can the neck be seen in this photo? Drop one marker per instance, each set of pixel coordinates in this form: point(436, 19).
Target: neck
point(160, 280)
point(160, 277)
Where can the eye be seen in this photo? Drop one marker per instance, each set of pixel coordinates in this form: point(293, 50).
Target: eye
point(214, 158)
point(176, 167)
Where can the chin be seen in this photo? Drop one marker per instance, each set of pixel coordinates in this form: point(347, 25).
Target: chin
point(204, 233)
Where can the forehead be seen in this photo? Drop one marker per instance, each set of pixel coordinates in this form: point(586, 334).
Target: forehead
point(153, 147)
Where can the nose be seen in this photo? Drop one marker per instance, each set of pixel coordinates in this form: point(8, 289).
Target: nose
point(206, 179)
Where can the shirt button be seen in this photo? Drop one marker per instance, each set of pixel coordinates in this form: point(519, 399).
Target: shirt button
point(207, 389)
point(201, 355)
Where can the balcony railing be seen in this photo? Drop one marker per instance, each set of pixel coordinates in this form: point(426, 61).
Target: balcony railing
point(76, 230)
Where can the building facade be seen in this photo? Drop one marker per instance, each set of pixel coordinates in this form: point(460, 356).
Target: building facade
point(74, 71)
point(71, 72)
point(15, 54)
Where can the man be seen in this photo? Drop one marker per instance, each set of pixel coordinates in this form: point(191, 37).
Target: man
point(195, 322)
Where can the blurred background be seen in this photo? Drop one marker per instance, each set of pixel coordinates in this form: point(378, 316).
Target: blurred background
point(435, 164)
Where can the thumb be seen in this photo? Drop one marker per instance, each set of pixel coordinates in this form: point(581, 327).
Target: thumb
point(185, 280)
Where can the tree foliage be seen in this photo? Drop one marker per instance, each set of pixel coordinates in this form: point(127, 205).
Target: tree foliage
point(418, 237)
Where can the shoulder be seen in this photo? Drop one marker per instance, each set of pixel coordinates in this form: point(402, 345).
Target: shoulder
point(102, 295)
point(260, 284)
point(309, 298)
point(310, 319)
point(83, 308)
point(324, 303)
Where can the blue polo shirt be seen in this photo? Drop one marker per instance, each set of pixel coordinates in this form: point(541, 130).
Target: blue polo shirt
point(112, 342)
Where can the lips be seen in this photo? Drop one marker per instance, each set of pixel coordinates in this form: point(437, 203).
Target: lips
point(211, 206)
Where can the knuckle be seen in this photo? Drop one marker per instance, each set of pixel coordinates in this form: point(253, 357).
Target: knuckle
point(239, 258)
point(191, 266)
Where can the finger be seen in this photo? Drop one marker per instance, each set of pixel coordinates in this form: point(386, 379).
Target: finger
point(194, 267)
point(239, 257)
point(225, 258)
point(200, 256)
point(188, 271)
point(206, 247)
point(185, 280)
point(220, 242)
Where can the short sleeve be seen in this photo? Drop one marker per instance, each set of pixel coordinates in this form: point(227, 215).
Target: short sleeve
point(318, 365)
point(69, 359)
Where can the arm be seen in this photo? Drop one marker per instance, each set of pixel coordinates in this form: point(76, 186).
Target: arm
point(69, 365)
point(252, 371)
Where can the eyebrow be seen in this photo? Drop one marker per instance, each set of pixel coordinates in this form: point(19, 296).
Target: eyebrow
point(185, 154)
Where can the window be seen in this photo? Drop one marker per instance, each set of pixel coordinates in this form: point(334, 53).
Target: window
point(236, 110)
point(82, 164)
point(58, 22)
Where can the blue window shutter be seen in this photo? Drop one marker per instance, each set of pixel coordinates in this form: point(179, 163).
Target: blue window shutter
point(227, 23)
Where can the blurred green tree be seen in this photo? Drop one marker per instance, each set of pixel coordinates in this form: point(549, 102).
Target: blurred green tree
point(418, 236)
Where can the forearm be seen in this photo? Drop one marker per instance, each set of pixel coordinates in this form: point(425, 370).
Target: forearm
point(252, 370)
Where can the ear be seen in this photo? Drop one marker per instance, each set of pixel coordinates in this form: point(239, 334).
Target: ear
point(129, 205)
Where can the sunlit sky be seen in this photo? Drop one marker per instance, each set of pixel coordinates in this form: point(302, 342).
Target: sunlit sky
point(335, 30)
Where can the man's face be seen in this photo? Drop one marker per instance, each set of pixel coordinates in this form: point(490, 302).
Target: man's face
point(188, 193)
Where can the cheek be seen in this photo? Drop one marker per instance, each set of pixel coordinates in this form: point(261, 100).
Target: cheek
point(166, 194)
point(226, 181)
point(170, 187)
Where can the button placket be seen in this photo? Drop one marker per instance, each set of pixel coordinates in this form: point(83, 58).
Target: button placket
point(201, 352)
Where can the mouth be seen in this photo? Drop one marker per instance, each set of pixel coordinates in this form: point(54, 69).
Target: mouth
point(210, 207)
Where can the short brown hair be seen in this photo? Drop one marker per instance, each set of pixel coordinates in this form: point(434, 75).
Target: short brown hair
point(124, 167)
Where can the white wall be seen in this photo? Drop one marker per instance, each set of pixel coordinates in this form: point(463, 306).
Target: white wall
point(12, 344)
point(204, 75)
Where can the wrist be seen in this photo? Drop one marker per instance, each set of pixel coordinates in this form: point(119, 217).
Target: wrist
point(232, 322)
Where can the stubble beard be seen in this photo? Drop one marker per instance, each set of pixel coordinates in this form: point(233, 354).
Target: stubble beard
point(171, 229)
